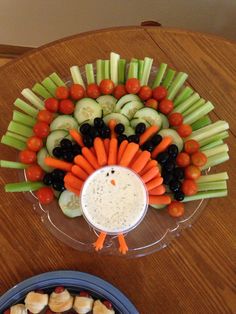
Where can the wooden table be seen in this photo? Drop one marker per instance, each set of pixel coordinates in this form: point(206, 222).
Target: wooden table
point(195, 274)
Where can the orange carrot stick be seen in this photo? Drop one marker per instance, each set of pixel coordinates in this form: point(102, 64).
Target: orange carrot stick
point(112, 123)
point(154, 183)
point(112, 157)
point(84, 164)
point(149, 165)
point(136, 156)
point(79, 172)
point(93, 151)
point(106, 142)
point(100, 241)
point(150, 174)
point(141, 161)
point(73, 181)
point(71, 189)
point(159, 199)
point(123, 246)
point(100, 151)
point(121, 150)
point(90, 157)
point(152, 130)
point(56, 163)
point(166, 141)
point(77, 137)
point(129, 154)
point(159, 190)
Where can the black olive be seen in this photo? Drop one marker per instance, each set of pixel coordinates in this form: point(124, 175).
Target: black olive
point(57, 152)
point(178, 173)
point(66, 143)
point(68, 156)
point(76, 149)
point(173, 150)
point(163, 157)
point(174, 185)
point(156, 139)
point(140, 128)
point(47, 179)
point(167, 177)
point(58, 185)
point(93, 132)
point(85, 128)
point(179, 196)
point(88, 141)
point(133, 138)
point(148, 146)
point(119, 128)
point(105, 132)
point(57, 174)
point(169, 165)
point(121, 138)
point(98, 123)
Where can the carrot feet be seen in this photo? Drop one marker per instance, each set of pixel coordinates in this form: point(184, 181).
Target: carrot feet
point(123, 249)
point(100, 241)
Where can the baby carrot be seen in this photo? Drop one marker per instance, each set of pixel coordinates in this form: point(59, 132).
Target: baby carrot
point(90, 157)
point(129, 154)
point(73, 181)
point(149, 165)
point(121, 150)
point(159, 190)
point(100, 151)
point(123, 246)
point(106, 144)
point(159, 199)
point(84, 164)
point(141, 161)
point(154, 183)
point(100, 241)
point(93, 151)
point(71, 189)
point(77, 137)
point(79, 172)
point(59, 164)
point(139, 152)
point(166, 141)
point(112, 156)
point(112, 124)
point(152, 130)
point(150, 174)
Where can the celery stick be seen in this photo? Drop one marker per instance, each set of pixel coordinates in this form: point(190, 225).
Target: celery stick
point(168, 79)
point(23, 118)
point(140, 68)
point(32, 98)
point(107, 69)
point(198, 113)
point(17, 136)
point(56, 79)
point(89, 73)
point(19, 128)
point(159, 75)
point(50, 85)
point(195, 106)
point(114, 60)
point(216, 150)
point(205, 195)
point(200, 123)
point(216, 160)
point(187, 103)
point(209, 130)
point(133, 69)
point(146, 71)
point(99, 74)
point(21, 104)
point(176, 85)
point(121, 71)
point(76, 75)
point(23, 186)
point(211, 186)
point(12, 142)
point(214, 138)
point(211, 145)
point(12, 164)
point(183, 95)
point(41, 91)
point(221, 176)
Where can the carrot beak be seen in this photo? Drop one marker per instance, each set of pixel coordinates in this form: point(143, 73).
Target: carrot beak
point(113, 182)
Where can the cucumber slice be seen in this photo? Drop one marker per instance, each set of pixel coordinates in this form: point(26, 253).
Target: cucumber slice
point(54, 139)
point(64, 122)
point(42, 154)
point(123, 100)
point(129, 131)
point(177, 140)
point(107, 103)
point(87, 109)
point(136, 121)
point(150, 115)
point(120, 118)
point(131, 108)
point(165, 122)
point(158, 206)
point(70, 204)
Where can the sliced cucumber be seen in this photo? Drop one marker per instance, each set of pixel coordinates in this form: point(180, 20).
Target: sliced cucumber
point(54, 139)
point(131, 108)
point(165, 122)
point(158, 206)
point(129, 131)
point(70, 204)
point(64, 122)
point(177, 140)
point(107, 102)
point(120, 118)
point(123, 100)
point(42, 154)
point(87, 109)
point(150, 115)
point(136, 121)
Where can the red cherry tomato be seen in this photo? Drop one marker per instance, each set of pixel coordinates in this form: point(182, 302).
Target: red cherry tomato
point(51, 104)
point(45, 195)
point(41, 129)
point(93, 91)
point(45, 116)
point(151, 103)
point(132, 86)
point(159, 93)
point(34, 143)
point(34, 173)
point(184, 130)
point(27, 156)
point(191, 146)
point(77, 91)
point(107, 304)
point(192, 172)
point(107, 87)
point(62, 92)
point(145, 92)
point(84, 294)
point(175, 209)
point(183, 159)
point(189, 187)
point(166, 106)
point(199, 159)
point(175, 119)
point(59, 289)
point(66, 106)
point(119, 91)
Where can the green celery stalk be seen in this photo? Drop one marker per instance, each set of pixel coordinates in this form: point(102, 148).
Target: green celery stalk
point(49, 85)
point(176, 85)
point(23, 186)
point(187, 103)
point(168, 78)
point(213, 177)
point(76, 75)
point(211, 186)
point(12, 142)
point(159, 76)
point(198, 113)
point(216, 160)
point(114, 61)
point(183, 95)
point(216, 150)
point(205, 195)
point(133, 69)
point(146, 71)
point(200, 123)
point(140, 69)
point(209, 131)
point(19, 128)
point(107, 69)
point(23, 118)
point(56, 79)
point(89, 73)
point(99, 73)
point(220, 136)
point(12, 164)
point(17, 136)
point(211, 145)
point(121, 71)
point(32, 98)
point(41, 91)
point(21, 104)
point(195, 106)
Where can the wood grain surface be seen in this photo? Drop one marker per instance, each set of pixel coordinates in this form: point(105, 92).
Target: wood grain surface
point(196, 273)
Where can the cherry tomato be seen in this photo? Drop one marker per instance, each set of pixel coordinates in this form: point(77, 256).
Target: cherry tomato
point(34, 143)
point(93, 91)
point(175, 209)
point(107, 304)
point(107, 87)
point(41, 129)
point(189, 187)
point(159, 93)
point(45, 195)
point(59, 289)
point(7, 311)
point(34, 173)
point(152, 103)
point(119, 91)
point(45, 116)
point(192, 172)
point(27, 156)
point(175, 119)
point(145, 92)
point(84, 294)
point(62, 92)
point(132, 86)
point(77, 91)
point(66, 106)
point(166, 106)
point(199, 159)
point(51, 104)
point(184, 130)
point(183, 159)
point(191, 146)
